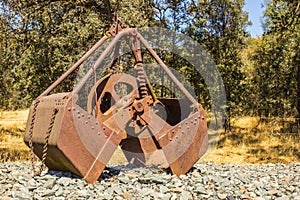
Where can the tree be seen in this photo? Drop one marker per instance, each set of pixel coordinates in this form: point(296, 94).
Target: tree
point(276, 61)
point(219, 25)
point(49, 36)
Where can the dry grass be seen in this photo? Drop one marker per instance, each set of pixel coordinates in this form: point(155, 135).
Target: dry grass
point(250, 141)
point(253, 140)
point(12, 127)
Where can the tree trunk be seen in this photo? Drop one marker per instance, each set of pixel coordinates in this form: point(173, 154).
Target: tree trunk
point(298, 96)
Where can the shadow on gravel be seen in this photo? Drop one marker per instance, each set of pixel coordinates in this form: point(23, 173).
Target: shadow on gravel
point(110, 172)
point(107, 173)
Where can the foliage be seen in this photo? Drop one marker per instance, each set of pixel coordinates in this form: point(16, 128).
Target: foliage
point(220, 27)
point(39, 40)
point(276, 79)
point(42, 39)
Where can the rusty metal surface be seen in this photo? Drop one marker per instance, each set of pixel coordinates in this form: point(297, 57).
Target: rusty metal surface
point(168, 132)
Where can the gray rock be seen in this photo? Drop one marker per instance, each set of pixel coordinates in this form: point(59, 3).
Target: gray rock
point(270, 181)
point(48, 193)
point(124, 179)
point(21, 195)
point(185, 195)
point(163, 189)
point(49, 183)
point(65, 181)
point(222, 195)
point(59, 192)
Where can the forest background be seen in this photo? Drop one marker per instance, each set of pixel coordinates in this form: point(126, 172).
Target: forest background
point(40, 40)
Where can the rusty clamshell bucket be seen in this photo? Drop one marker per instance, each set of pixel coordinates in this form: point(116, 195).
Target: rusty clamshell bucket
point(79, 131)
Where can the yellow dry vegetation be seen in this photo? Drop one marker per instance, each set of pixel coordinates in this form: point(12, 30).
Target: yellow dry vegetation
point(250, 141)
point(12, 127)
point(253, 140)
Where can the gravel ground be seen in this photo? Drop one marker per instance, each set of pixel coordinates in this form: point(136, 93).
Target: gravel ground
point(204, 181)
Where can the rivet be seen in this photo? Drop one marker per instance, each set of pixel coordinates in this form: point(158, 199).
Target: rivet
point(82, 115)
point(173, 131)
point(105, 136)
point(203, 118)
point(188, 127)
point(179, 126)
point(78, 116)
point(96, 123)
point(182, 132)
point(92, 127)
point(78, 112)
point(99, 133)
point(86, 122)
point(74, 109)
point(103, 128)
point(69, 109)
point(89, 117)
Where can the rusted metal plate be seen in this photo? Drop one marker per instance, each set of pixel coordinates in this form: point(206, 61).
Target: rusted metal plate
point(184, 143)
point(76, 138)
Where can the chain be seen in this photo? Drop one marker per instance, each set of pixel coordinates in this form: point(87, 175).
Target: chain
point(35, 105)
point(141, 79)
point(45, 147)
